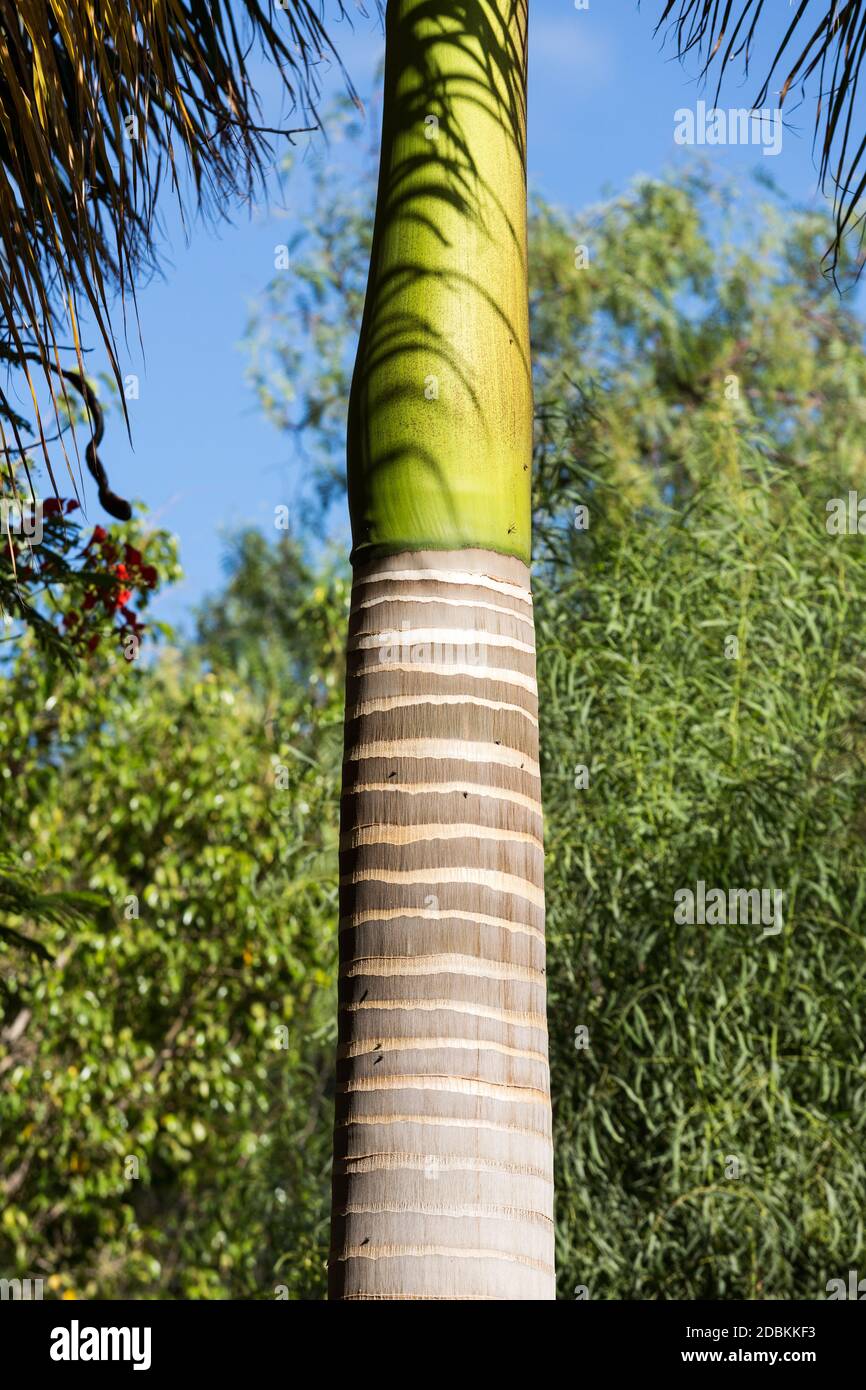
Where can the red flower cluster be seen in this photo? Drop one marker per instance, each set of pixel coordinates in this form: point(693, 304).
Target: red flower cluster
point(55, 506)
point(123, 572)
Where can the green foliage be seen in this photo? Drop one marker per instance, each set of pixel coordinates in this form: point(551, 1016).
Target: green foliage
point(165, 1132)
point(65, 585)
point(19, 900)
point(205, 786)
point(698, 326)
point(268, 624)
point(706, 1044)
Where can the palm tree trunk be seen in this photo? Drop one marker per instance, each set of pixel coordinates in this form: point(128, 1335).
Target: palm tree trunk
point(442, 1183)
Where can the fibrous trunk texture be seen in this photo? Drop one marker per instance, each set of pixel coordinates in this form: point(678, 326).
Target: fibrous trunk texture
point(443, 1181)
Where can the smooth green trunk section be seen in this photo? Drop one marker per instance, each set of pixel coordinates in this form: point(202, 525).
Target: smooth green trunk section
point(440, 413)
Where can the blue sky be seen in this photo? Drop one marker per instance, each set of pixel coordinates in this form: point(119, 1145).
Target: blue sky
point(602, 99)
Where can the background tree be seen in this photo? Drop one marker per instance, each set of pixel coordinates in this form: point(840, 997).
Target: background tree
point(180, 1146)
point(708, 1127)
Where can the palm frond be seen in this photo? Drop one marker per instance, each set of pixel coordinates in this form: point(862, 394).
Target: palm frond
point(101, 101)
point(823, 40)
point(27, 902)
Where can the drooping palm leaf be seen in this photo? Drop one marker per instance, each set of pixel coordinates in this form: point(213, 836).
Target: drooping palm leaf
point(823, 40)
point(27, 903)
point(100, 101)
